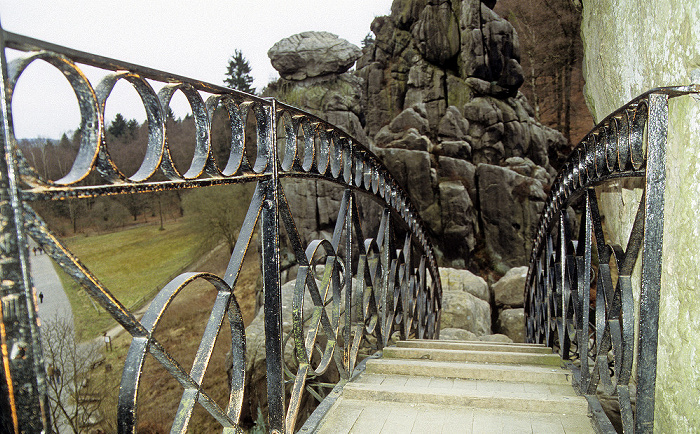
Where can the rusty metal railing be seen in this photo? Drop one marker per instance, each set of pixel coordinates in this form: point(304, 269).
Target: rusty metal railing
point(580, 290)
point(398, 286)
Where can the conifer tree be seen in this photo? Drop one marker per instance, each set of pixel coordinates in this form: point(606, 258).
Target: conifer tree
point(238, 73)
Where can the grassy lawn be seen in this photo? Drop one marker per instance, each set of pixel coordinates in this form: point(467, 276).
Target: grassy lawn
point(133, 264)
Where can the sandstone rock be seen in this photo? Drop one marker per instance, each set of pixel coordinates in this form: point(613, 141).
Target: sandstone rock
point(510, 222)
point(348, 122)
point(302, 197)
point(311, 54)
point(511, 322)
point(328, 199)
point(453, 125)
point(465, 311)
point(527, 167)
point(410, 139)
point(412, 171)
point(406, 12)
point(459, 221)
point(510, 289)
point(455, 149)
point(463, 280)
point(437, 33)
point(425, 85)
point(410, 118)
point(335, 98)
point(490, 49)
point(457, 335)
point(496, 338)
point(458, 170)
point(483, 110)
point(459, 92)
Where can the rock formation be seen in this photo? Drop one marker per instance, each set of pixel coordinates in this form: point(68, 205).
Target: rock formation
point(436, 98)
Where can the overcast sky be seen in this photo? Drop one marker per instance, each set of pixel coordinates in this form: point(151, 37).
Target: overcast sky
point(191, 38)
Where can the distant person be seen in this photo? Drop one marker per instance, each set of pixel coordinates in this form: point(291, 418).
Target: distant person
point(41, 297)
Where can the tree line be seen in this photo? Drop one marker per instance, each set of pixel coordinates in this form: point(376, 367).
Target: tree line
point(551, 57)
point(126, 141)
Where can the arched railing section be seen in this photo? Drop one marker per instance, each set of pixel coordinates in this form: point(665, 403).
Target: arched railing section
point(580, 290)
point(370, 284)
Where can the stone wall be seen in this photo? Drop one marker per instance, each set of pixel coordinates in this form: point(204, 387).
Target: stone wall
point(638, 46)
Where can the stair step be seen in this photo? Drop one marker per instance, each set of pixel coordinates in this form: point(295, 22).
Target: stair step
point(360, 416)
point(502, 357)
point(468, 370)
point(475, 346)
point(468, 393)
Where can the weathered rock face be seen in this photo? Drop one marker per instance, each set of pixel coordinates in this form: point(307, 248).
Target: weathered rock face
point(510, 218)
point(462, 310)
point(457, 335)
point(511, 322)
point(311, 54)
point(510, 289)
point(463, 280)
point(435, 96)
point(335, 98)
point(442, 78)
point(662, 52)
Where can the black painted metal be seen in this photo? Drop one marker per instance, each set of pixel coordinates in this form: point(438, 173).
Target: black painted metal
point(591, 323)
point(398, 287)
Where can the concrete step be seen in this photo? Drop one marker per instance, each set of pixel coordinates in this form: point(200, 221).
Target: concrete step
point(468, 393)
point(475, 346)
point(359, 416)
point(470, 370)
point(502, 357)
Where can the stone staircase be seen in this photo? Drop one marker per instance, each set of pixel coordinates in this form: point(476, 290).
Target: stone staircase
point(423, 386)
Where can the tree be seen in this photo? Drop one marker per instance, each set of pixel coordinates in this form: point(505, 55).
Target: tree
point(219, 210)
point(548, 31)
point(368, 40)
point(238, 73)
point(118, 126)
point(75, 392)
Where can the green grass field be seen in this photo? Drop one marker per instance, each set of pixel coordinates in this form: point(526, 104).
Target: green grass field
point(133, 264)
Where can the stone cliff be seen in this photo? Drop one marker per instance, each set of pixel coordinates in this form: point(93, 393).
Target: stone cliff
point(436, 98)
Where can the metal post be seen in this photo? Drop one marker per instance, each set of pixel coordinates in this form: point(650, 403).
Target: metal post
point(651, 261)
point(271, 273)
point(22, 360)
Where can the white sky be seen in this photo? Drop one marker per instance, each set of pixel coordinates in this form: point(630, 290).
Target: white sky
point(190, 38)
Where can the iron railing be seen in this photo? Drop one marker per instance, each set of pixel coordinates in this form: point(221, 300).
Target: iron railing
point(580, 290)
point(396, 287)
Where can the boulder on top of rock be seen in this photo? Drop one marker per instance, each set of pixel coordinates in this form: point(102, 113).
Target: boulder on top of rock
point(453, 334)
point(496, 337)
point(511, 322)
point(453, 279)
point(462, 310)
point(510, 289)
point(311, 54)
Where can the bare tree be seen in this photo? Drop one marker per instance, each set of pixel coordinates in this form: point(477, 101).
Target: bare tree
point(220, 211)
point(75, 392)
point(552, 48)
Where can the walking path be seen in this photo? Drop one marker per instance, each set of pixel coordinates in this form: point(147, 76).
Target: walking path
point(424, 386)
point(55, 303)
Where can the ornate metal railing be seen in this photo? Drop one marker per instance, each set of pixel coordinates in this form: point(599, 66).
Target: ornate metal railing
point(397, 288)
point(580, 291)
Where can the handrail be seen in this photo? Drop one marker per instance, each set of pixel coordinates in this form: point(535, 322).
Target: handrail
point(398, 287)
point(571, 277)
